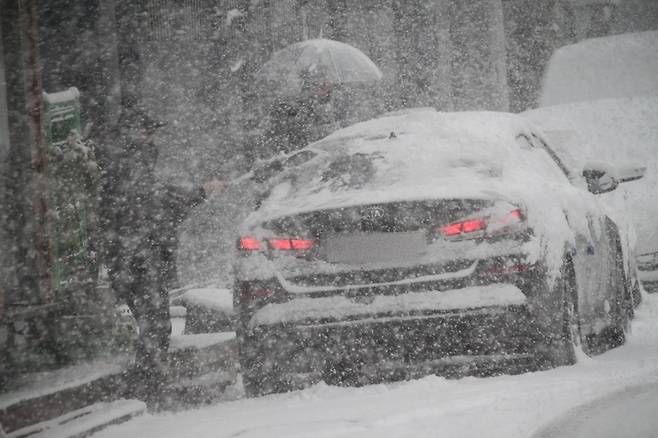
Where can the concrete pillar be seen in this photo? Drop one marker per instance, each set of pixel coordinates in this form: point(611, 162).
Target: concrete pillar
point(109, 86)
point(478, 60)
point(422, 33)
point(22, 285)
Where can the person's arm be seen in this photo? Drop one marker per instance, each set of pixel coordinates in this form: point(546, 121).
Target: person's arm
point(180, 200)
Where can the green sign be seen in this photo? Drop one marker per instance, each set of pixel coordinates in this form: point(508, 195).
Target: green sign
point(62, 115)
point(72, 175)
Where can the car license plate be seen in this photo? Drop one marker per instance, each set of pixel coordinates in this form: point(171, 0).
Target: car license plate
point(355, 248)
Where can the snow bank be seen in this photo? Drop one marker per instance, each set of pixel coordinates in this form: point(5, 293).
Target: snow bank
point(341, 307)
point(218, 299)
point(177, 311)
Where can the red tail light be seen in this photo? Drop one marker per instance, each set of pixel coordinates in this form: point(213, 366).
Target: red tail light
point(495, 223)
point(462, 227)
point(290, 244)
point(280, 243)
point(301, 244)
point(248, 244)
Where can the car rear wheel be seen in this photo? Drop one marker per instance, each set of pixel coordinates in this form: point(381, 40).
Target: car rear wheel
point(625, 297)
point(572, 338)
point(563, 345)
point(263, 382)
point(260, 375)
point(622, 312)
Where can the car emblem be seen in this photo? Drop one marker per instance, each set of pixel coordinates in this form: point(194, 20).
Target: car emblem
point(372, 213)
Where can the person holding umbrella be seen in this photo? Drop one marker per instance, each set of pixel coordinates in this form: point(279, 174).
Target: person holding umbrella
point(296, 122)
point(304, 77)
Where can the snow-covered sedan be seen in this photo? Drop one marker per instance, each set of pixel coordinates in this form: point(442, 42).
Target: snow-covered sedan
point(426, 242)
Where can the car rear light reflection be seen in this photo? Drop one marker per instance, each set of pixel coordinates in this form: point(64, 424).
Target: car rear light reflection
point(495, 223)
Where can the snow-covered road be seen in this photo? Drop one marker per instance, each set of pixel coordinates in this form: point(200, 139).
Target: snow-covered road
point(629, 413)
point(506, 406)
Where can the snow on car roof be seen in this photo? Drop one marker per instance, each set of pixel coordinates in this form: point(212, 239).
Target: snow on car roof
point(414, 155)
point(426, 155)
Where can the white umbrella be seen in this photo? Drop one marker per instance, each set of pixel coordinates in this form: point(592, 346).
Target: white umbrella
point(322, 59)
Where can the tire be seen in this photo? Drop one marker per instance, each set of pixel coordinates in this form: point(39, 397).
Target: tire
point(626, 297)
point(258, 378)
point(615, 335)
point(257, 384)
point(563, 345)
point(251, 385)
point(571, 323)
point(636, 296)
point(621, 312)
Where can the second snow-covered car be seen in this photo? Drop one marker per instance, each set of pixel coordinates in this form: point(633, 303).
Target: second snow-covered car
point(623, 132)
point(425, 242)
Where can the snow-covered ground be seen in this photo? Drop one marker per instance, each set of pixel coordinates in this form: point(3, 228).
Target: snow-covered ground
point(505, 406)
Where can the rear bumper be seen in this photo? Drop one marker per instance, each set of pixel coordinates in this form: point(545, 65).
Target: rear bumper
point(412, 327)
point(392, 346)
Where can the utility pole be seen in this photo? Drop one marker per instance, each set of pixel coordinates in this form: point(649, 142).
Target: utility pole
point(26, 184)
point(33, 90)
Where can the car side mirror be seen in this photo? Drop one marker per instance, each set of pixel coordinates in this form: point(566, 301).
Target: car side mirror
point(599, 181)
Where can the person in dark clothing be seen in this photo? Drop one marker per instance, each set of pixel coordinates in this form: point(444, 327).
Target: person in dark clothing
point(139, 218)
point(299, 121)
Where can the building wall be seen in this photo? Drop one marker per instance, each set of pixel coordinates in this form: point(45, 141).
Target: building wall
point(5, 261)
